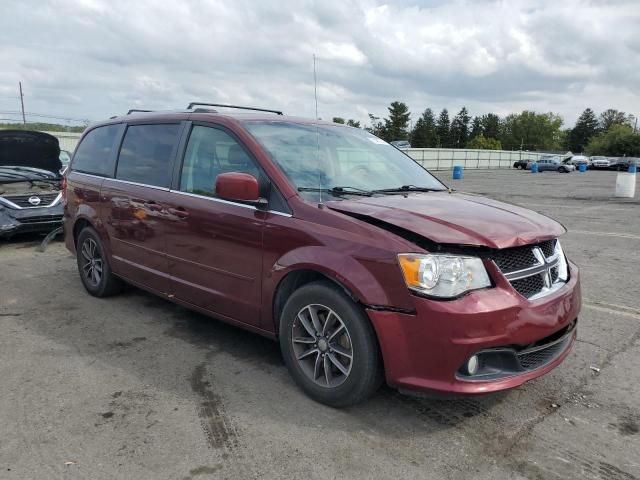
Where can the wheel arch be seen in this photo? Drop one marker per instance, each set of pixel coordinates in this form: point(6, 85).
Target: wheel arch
point(296, 279)
point(80, 224)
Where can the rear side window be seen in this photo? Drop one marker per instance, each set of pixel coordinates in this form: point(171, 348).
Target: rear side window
point(93, 155)
point(146, 154)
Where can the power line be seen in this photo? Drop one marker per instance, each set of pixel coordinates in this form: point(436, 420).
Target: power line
point(42, 115)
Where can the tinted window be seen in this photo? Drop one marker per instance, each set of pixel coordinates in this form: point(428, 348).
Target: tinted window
point(93, 155)
point(210, 152)
point(146, 154)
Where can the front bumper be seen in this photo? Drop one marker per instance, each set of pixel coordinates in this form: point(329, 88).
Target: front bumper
point(14, 221)
point(427, 351)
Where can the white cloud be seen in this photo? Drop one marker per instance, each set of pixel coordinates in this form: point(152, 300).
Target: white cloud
point(96, 58)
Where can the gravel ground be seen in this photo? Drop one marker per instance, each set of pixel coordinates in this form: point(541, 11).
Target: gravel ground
point(134, 387)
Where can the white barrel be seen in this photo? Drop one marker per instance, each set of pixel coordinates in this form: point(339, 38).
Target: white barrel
point(626, 185)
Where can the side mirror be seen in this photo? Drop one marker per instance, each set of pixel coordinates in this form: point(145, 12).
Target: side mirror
point(238, 186)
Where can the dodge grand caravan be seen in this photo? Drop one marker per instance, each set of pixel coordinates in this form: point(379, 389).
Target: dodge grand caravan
point(362, 264)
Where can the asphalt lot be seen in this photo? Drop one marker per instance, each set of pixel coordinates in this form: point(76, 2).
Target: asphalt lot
point(134, 387)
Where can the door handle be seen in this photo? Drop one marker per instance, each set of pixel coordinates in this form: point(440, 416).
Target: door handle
point(179, 212)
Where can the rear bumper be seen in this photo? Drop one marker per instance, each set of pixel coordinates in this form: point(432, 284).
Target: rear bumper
point(45, 219)
point(426, 351)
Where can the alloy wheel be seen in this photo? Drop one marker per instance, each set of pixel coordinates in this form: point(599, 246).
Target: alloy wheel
point(91, 262)
point(322, 345)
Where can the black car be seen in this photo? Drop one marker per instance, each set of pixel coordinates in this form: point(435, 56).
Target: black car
point(521, 164)
point(30, 182)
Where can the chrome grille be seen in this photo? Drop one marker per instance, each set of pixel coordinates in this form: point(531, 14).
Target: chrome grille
point(532, 270)
point(41, 219)
point(539, 356)
point(529, 286)
point(22, 201)
point(514, 259)
point(548, 248)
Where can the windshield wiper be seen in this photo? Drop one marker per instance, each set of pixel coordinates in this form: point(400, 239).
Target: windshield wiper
point(338, 191)
point(408, 188)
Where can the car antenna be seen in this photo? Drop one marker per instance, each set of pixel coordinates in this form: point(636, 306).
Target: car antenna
point(315, 95)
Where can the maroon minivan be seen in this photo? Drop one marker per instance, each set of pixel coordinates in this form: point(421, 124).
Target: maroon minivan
point(364, 265)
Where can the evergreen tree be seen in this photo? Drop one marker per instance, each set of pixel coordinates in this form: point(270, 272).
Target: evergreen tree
point(442, 129)
point(423, 134)
point(338, 120)
point(353, 123)
point(585, 128)
point(376, 127)
point(459, 132)
point(396, 127)
point(490, 125)
point(476, 128)
point(417, 138)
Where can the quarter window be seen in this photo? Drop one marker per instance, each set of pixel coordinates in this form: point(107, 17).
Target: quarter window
point(146, 154)
point(210, 152)
point(93, 155)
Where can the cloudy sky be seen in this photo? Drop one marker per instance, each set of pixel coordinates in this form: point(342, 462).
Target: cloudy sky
point(93, 58)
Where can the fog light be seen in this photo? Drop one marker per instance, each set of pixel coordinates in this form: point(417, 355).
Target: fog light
point(472, 365)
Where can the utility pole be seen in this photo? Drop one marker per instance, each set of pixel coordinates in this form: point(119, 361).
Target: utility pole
point(24, 120)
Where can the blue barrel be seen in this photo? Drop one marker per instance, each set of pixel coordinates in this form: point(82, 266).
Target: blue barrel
point(582, 167)
point(457, 172)
point(534, 167)
point(633, 168)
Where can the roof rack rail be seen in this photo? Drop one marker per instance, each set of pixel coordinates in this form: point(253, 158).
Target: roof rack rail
point(136, 110)
point(192, 104)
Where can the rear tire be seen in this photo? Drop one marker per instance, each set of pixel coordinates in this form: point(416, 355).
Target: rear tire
point(329, 346)
point(93, 265)
point(562, 170)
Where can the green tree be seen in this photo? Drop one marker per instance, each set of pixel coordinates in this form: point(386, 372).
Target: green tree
point(585, 128)
point(423, 134)
point(376, 127)
point(531, 131)
point(459, 131)
point(442, 129)
point(353, 123)
point(338, 120)
point(490, 125)
point(480, 141)
point(396, 127)
point(43, 127)
point(611, 117)
point(476, 127)
point(617, 141)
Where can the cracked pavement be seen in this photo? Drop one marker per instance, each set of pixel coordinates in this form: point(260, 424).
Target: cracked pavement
point(137, 387)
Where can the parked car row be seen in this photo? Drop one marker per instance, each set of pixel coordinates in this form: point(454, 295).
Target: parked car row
point(547, 163)
point(567, 164)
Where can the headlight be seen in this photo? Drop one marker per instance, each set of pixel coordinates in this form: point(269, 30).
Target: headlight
point(443, 276)
point(563, 268)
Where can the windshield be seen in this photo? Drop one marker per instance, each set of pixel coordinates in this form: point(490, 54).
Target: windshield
point(334, 157)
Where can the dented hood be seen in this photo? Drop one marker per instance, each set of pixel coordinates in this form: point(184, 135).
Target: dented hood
point(456, 218)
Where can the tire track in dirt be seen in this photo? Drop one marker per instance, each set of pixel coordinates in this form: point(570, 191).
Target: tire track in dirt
point(218, 427)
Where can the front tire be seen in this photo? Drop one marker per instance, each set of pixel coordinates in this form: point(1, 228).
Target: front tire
point(329, 346)
point(93, 265)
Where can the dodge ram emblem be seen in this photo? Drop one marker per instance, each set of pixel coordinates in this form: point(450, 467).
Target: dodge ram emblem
point(35, 201)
